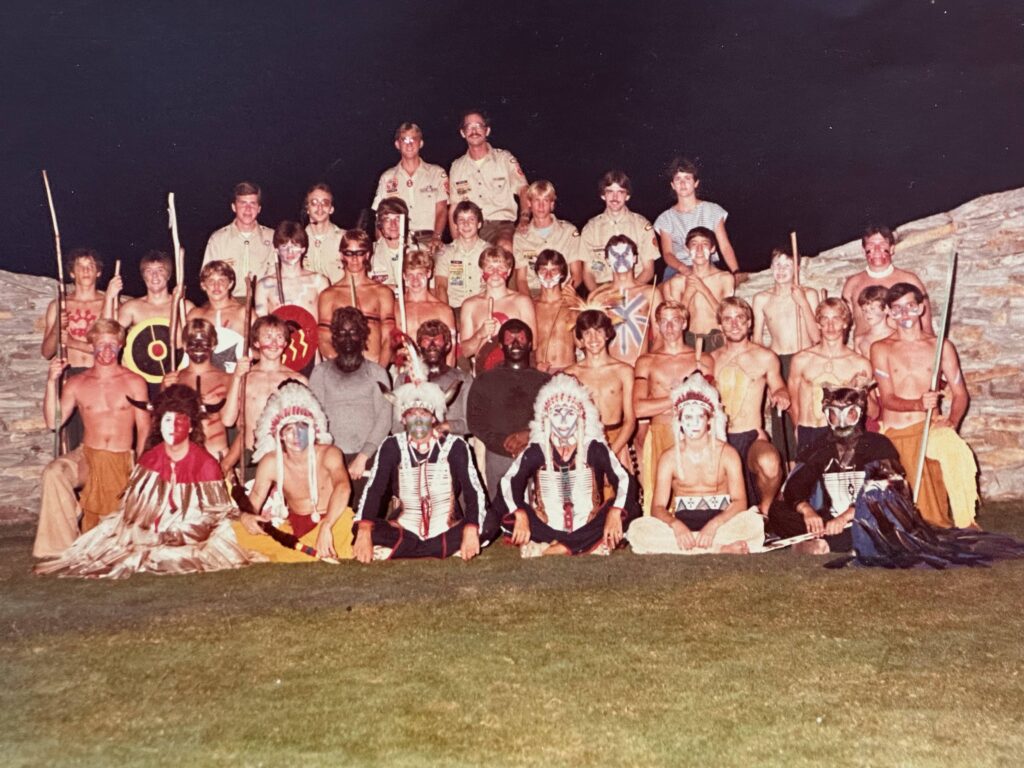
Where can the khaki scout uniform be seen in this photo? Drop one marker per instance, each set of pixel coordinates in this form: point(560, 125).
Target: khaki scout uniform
point(248, 253)
point(600, 229)
point(491, 183)
point(384, 264)
point(422, 191)
point(461, 268)
point(324, 253)
point(561, 236)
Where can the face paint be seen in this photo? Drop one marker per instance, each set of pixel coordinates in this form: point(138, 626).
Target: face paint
point(105, 352)
point(564, 418)
point(906, 315)
point(174, 428)
point(549, 278)
point(621, 258)
point(198, 347)
point(418, 424)
point(296, 436)
point(843, 420)
point(494, 272)
point(693, 421)
point(433, 348)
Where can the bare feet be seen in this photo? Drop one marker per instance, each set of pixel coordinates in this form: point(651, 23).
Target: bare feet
point(736, 548)
point(812, 547)
point(557, 549)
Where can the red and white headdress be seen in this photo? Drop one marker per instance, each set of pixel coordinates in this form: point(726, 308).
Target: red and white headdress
point(696, 390)
point(565, 389)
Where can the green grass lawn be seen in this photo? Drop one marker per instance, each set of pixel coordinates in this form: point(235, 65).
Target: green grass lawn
point(715, 661)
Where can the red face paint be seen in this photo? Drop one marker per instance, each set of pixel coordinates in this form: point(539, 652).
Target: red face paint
point(175, 428)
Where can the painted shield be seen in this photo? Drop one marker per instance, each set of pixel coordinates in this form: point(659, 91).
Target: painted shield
point(147, 350)
point(302, 348)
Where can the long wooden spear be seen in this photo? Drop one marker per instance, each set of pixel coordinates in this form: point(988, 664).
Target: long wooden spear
point(250, 285)
point(400, 277)
point(178, 296)
point(939, 342)
point(796, 287)
point(57, 416)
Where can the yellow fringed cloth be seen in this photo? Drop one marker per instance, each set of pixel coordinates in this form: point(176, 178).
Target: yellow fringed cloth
point(174, 519)
point(274, 552)
point(949, 483)
point(658, 440)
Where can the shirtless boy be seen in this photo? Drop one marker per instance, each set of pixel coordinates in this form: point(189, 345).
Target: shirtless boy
point(299, 286)
point(903, 365)
point(871, 302)
point(656, 375)
point(102, 464)
point(294, 447)
point(701, 289)
point(829, 363)
point(155, 267)
point(356, 289)
point(786, 311)
point(628, 302)
point(223, 311)
point(484, 313)
point(200, 339)
point(879, 245)
point(609, 381)
point(743, 369)
point(271, 336)
point(421, 304)
point(81, 308)
point(556, 315)
point(702, 476)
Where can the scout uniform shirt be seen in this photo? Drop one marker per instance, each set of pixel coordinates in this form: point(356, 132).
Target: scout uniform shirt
point(324, 253)
point(248, 253)
point(491, 183)
point(600, 229)
point(560, 236)
point(422, 191)
point(384, 264)
point(462, 270)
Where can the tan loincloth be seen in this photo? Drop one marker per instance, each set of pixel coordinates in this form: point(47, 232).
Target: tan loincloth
point(108, 477)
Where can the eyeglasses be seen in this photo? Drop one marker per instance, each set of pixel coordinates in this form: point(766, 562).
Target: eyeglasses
point(319, 203)
point(354, 253)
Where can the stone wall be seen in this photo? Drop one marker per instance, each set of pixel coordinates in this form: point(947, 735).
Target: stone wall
point(25, 443)
point(986, 317)
point(987, 325)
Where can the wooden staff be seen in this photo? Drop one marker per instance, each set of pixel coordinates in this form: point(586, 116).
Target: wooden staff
point(490, 310)
point(400, 277)
point(61, 303)
point(922, 449)
point(352, 287)
point(650, 311)
point(178, 295)
point(250, 284)
point(796, 287)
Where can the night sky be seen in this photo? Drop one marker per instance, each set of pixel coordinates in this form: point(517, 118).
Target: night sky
point(814, 115)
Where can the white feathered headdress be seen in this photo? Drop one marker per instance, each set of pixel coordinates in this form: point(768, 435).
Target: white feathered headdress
point(419, 391)
point(696, 390)
point(563, 388)
point(292, 403)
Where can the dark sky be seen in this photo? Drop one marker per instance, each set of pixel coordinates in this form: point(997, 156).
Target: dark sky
point(818, 115)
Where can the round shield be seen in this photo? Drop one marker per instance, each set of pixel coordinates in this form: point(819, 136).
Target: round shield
point(147, 349)
point(303, 344)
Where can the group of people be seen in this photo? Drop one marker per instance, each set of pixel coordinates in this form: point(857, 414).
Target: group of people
point(390, 395)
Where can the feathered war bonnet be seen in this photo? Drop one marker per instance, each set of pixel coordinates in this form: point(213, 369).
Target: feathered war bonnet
point(419, 391)
point(563, 388)
point(698, 391)
point(292, 403)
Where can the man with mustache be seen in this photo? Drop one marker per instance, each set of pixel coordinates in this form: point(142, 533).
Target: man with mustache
point(489, 177)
